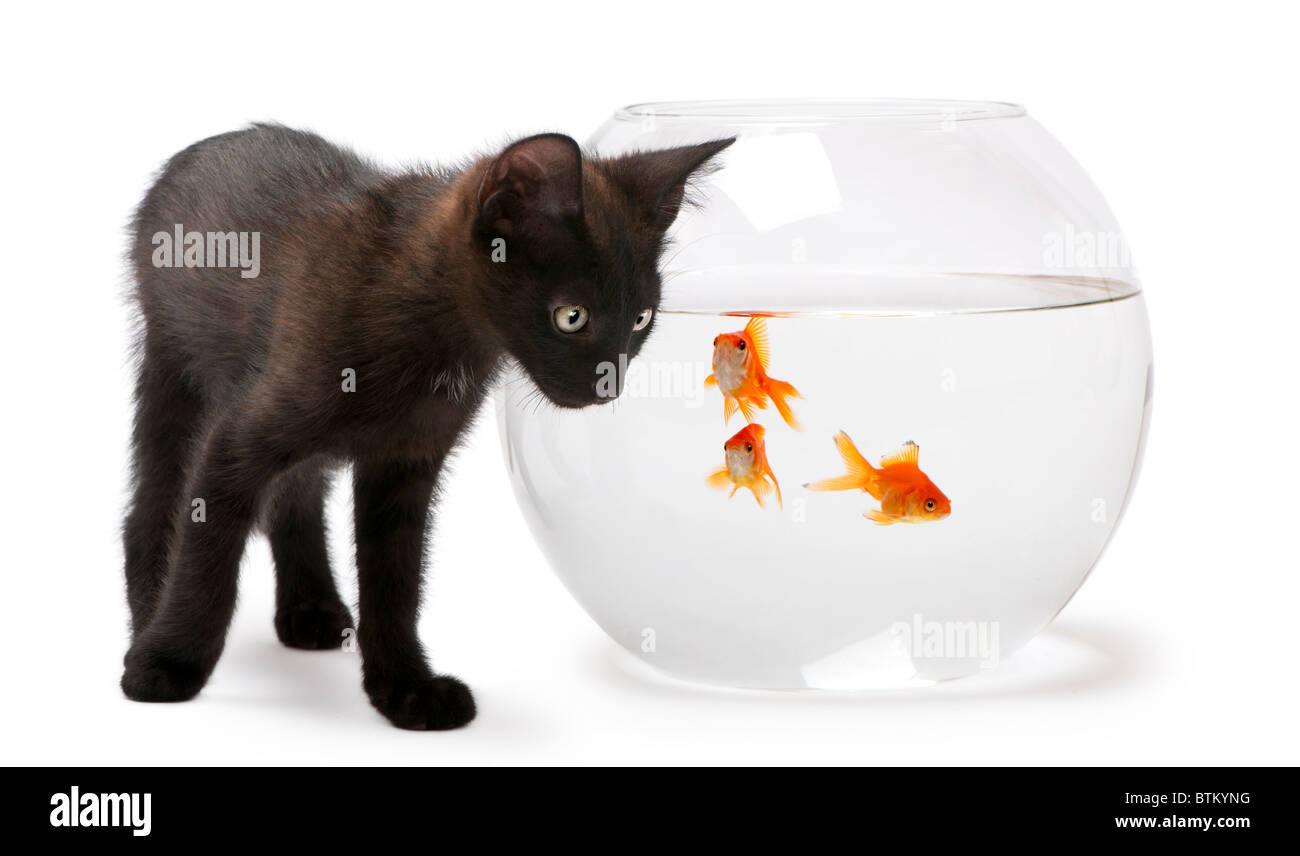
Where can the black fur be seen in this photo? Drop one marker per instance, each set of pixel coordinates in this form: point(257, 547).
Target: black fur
point(241, 400)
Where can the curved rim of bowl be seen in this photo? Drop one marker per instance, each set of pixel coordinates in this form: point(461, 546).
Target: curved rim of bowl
point(765, 110)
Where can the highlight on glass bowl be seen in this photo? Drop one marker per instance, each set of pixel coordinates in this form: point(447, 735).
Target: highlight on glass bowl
point(892, 410)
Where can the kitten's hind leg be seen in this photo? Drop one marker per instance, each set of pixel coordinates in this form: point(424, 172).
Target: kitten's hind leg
point(173, 655)
point(167, 417)
point(308, 610)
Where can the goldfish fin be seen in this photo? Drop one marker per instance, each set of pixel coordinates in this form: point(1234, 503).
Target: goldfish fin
point(908, 453)
point(880, 517)
point(728, 409)
point(747, 408)
point(734, 488)
point(779, 391)
point(776, 485)
point(853, 460)
point(760, 489)
point(710, 381)
point(860, 476)
point(719, 478)
point(756, 329)
point(849, 482)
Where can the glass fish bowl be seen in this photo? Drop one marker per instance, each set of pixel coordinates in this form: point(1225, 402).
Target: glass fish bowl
point(891, 412)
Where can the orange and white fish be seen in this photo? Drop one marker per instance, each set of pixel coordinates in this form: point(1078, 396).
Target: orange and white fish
point(747, 466)
point(906, 494)
point(740, 372)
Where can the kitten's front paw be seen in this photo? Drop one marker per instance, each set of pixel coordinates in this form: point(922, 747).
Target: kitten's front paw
point(150, 676)
point(426, 704)
point(314, 624)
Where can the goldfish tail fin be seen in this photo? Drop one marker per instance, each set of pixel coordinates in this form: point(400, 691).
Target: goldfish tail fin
point(857, 465)
point(880, 517)
point(779, 391)
point(719, 478)
point(837, 483)
point(860, 476)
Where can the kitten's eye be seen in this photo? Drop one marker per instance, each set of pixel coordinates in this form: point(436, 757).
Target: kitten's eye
point(570, 319)
point(643, 320)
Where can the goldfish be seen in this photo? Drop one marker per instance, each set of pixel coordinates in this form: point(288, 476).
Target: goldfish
point(747, 466)
point(740, 372)
point(906, 494)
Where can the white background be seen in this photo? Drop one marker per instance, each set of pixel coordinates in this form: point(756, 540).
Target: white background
point(1181, 649)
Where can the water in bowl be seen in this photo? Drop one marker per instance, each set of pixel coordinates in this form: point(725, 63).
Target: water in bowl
point(1029, 406)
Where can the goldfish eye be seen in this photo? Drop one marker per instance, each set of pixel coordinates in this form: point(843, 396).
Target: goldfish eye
point(749, 447)
point(740, 346)
point(715, 341)
point(929, 505)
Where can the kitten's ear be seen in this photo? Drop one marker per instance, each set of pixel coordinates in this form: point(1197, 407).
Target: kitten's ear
point(657, 180)
point(537, 180)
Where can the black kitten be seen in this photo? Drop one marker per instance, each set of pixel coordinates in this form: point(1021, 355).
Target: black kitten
point(369, 331)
